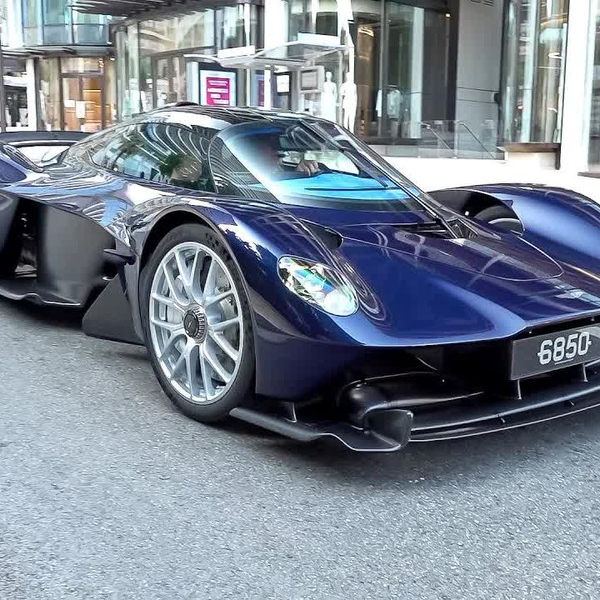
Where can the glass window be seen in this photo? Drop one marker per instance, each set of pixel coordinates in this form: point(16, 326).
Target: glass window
point(365, 31)
point(50, 105)
point(298, 19)
point(301, 164)
point(194, 30)
point(89, 29)
point(533, 77)
point(32, 13)
point(81, 65)
point(239, 25)
point(110, 92)
point(594, 147)
point(56, 12)
point(54, 22)
point(132, 93)
point(157, 152)
point(312, 16)
point(230, 27)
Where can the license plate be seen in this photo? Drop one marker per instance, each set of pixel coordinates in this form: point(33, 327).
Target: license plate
point(544, 353)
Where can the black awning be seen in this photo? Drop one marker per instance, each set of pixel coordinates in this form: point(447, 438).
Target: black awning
point(136, 8)
point(118, 8)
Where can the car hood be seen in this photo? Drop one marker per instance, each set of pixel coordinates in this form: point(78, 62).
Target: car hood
point(486, 253)
point(423, 288)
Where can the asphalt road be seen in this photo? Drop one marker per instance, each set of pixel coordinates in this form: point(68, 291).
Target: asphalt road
point(107, 492)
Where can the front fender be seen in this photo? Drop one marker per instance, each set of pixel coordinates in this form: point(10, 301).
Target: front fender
point(291, 337)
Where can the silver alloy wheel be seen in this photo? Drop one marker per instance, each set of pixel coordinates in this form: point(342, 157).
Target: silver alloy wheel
point(196, 322)
point(508, 223)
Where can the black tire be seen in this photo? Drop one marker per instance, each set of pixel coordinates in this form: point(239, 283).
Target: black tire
point(500, 216)
point(242, 386)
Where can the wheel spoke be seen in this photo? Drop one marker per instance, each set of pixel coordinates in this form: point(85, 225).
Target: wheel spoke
point(179, 364)
point(211, 278)
point(225, 324)
point(171, 343)
point(170, 302)
point(195, 288)
point(215, 299)
point(224, 344)
point(167, 325)
point(183, 272)
point(216, 366)
point(175, 294)
point(191, 359)
point(209, 388)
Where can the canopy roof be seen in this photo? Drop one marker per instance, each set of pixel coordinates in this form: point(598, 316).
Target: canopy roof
point(134, 8)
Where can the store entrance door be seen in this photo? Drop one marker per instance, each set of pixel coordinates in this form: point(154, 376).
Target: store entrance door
point(83, 102)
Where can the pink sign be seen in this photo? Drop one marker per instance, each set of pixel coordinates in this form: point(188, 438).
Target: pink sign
point(217, 88)
point(218, 91)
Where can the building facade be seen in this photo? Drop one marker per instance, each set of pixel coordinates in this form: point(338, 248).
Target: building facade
point(472, 79)
point(64, 60)
point(430, 78)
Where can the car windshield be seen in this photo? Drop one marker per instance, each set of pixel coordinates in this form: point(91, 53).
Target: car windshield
point(305, 163)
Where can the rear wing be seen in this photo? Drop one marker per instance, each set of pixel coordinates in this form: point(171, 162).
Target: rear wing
point(35, 150)
point(29, 138)
point(23, 152)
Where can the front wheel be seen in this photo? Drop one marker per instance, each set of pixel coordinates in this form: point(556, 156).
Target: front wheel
point(197, 323)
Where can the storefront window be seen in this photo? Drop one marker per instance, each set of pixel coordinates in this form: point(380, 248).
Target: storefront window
point(594, 147)
point(366, 33)
point(128, 72)
point(151, 53)
point(15, 90)
point(50, 107)
point(76, 93)
point(81, 65)
point(132, 56)
point(162, 69)
point(195, 30)
point(401, 57)
point(533, 78)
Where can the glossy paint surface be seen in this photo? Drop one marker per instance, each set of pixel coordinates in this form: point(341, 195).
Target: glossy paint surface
point(414, 289)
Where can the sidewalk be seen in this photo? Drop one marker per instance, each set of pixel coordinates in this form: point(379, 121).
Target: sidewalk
point(434, 174)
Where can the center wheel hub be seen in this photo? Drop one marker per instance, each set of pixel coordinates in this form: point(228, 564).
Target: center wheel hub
point(195, 323)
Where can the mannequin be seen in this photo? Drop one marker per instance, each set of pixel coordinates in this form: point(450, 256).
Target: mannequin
point(329, 98)
point(349, 96)
point(393, 107)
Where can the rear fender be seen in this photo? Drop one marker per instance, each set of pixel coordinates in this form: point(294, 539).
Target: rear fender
point(562, 223)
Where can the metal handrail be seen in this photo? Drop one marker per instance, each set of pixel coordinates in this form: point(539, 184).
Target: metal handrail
point(476, 138)
point(439, 138)
point(455, 151)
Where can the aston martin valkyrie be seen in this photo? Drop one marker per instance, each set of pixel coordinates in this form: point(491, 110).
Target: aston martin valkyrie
point(280, 272)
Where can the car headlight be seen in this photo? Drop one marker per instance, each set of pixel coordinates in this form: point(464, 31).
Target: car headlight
point(319, 285)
